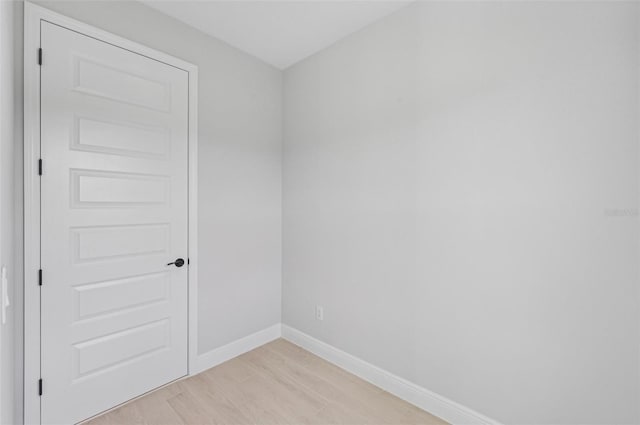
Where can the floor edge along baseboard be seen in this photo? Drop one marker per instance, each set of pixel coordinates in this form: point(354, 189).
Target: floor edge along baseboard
point(429, 401)
point(235, 348)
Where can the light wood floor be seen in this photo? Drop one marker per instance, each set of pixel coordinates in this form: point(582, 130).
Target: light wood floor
point(278, 383)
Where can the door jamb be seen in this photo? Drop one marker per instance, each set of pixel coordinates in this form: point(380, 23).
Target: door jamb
point(33, 15)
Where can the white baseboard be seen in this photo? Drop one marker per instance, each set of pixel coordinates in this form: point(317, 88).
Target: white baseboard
point(233, 349)
point(433, 403)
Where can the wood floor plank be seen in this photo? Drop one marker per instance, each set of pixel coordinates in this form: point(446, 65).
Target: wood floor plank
point(276, 384)
point(321, 369)
point(339, 388)
point(129, 414)
point(158, 412)
point(220, 409)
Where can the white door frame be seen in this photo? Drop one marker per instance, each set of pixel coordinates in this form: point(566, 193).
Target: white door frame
point(33, 15)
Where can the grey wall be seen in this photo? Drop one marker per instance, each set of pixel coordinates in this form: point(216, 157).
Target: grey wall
point(240, 135)
point(461, 195)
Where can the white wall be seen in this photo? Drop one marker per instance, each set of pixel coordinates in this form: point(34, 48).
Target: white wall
point(240, 118)
point(8, 140)
point(461, 195)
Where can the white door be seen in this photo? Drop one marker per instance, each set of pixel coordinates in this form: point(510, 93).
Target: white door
point(114, 214)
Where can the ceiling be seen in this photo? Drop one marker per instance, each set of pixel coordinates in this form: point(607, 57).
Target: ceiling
point(280, 33)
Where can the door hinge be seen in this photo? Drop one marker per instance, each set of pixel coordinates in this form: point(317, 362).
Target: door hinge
point(40, 56)
point(40, 277)
point(40, 386)
point(40, 167)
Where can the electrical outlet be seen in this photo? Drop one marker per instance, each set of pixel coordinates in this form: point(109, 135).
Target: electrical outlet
point(319, 312)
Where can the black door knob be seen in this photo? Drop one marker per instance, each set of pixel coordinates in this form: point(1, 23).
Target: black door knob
point(178, 263)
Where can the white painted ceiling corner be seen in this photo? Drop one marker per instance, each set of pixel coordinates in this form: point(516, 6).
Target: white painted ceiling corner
point(280, 33)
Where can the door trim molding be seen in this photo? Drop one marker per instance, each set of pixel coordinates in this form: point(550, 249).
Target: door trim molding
point(33, 15)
